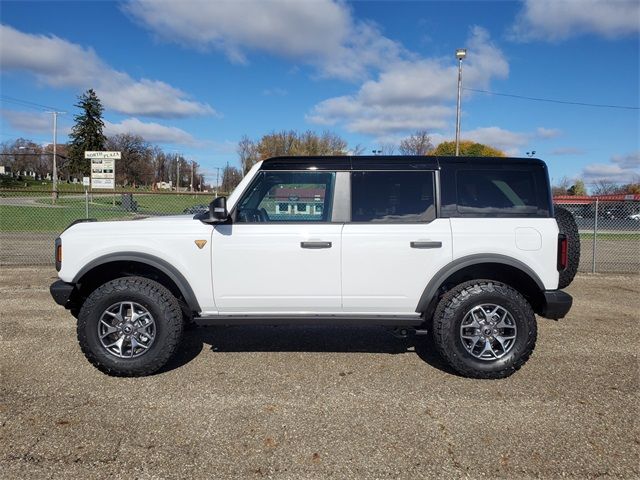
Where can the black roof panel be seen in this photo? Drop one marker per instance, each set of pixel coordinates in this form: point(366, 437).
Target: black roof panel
point(386, 162)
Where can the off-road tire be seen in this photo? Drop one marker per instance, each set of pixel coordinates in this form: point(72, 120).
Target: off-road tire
point(568, 226)
point(450, 313)
point(162, 305)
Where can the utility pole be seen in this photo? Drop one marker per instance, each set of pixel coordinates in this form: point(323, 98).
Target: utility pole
point(460, 54)
point(217, 180)
point(178, 177)
point(192, 162)
point(54, 173)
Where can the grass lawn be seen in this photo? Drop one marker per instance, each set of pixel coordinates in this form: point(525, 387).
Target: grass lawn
point(38, 219)
point(68, 209)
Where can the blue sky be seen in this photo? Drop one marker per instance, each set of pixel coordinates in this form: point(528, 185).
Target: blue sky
point(196, 76)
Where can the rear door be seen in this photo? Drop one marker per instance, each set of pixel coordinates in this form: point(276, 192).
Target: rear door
point(394, 242)
point(281, 252)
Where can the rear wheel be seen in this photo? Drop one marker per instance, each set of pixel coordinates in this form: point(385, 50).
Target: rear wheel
point(568, 226)
point(484, 329)
point(130, 326)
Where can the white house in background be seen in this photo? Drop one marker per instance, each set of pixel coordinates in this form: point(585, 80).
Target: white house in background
point(164, 185)
point(3, 170)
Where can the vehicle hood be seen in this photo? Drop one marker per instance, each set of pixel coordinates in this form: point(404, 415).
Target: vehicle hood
point(170, 224)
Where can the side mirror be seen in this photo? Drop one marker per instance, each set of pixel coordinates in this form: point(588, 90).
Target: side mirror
point(218, 210)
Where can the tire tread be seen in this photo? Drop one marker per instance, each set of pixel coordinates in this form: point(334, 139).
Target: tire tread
point(449, 306)
point(160, 295)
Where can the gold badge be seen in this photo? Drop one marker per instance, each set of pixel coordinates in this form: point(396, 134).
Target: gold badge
point(200, 243)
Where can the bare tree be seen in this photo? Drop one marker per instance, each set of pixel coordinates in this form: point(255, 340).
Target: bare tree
point(418, 143)
point(231, 177)
point(604, 187)
point(387, 148)
point(136, 166)
point(358, 149)
point(562, 187)
point(289, 142)
point(248, 153)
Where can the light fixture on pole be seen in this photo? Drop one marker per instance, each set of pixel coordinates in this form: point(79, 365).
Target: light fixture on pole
point(460, 54)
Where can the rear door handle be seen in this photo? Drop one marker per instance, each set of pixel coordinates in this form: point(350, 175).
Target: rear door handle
point(426, 244)
point(315, 244)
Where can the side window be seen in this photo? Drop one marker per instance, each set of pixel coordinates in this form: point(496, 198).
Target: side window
point(392, 197)
point(287, 197)
point(496, 192)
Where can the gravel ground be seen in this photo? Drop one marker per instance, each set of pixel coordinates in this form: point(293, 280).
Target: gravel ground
point(315, 403)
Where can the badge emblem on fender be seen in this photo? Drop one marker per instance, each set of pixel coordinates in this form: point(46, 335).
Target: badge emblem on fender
point(200, 243)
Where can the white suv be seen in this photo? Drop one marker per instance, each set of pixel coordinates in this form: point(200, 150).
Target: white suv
point(464, 248)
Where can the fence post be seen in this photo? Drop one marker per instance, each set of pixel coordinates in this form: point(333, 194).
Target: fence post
point(86, 203)
point(595, 242)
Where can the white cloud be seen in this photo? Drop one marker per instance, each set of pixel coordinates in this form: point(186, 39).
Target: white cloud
point(505, 140)
point(629, 161)
point(567, 151)
point(546, 133)
point(409, 95)
point(150, 131)
point(321, 33)
point(29, 122)
point(60, 63)
point(621, 169)
point(555, 20)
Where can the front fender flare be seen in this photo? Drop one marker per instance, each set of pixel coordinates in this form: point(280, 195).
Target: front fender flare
point(165, 267)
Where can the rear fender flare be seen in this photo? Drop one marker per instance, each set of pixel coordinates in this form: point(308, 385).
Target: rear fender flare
point(431, 290)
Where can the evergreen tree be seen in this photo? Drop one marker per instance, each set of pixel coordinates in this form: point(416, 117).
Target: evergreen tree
point(86, 133)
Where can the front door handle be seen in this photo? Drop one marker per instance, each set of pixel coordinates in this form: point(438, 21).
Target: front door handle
point(315, 244)
point(426, 244)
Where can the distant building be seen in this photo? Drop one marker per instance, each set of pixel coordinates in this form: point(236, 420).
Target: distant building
point(164, 185)
point(297, 201)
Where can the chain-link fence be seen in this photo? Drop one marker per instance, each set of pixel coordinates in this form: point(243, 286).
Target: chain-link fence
point(30, 221)
point(609, 233)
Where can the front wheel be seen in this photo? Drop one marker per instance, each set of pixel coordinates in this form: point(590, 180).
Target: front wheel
point(484, 329)
point(130, 326)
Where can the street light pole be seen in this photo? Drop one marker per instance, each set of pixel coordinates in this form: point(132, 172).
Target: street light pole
point(460, 54)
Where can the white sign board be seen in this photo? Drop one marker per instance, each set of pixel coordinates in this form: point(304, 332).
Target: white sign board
point(103, 169)
point(113, 155)
point(86, 181)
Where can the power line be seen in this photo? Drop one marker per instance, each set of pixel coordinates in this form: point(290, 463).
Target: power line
point(26, 103)
point(550, 100)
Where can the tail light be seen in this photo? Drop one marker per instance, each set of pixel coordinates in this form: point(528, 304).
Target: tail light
point(58, 253)
point(563, 252)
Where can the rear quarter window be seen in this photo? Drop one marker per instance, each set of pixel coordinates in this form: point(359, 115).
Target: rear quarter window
point(496, 192)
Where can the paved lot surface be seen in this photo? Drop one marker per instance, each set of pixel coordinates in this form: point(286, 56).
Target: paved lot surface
point(315, 403)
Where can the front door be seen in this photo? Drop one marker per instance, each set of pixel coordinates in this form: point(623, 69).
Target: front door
point(280, 253)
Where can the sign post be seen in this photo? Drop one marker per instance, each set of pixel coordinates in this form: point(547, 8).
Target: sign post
point(86, 181)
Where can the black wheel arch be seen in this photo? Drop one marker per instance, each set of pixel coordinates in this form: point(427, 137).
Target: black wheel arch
point(496, 267)
point(110, 266)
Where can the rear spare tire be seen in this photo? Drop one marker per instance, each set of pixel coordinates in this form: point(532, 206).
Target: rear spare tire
point(568, 226)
